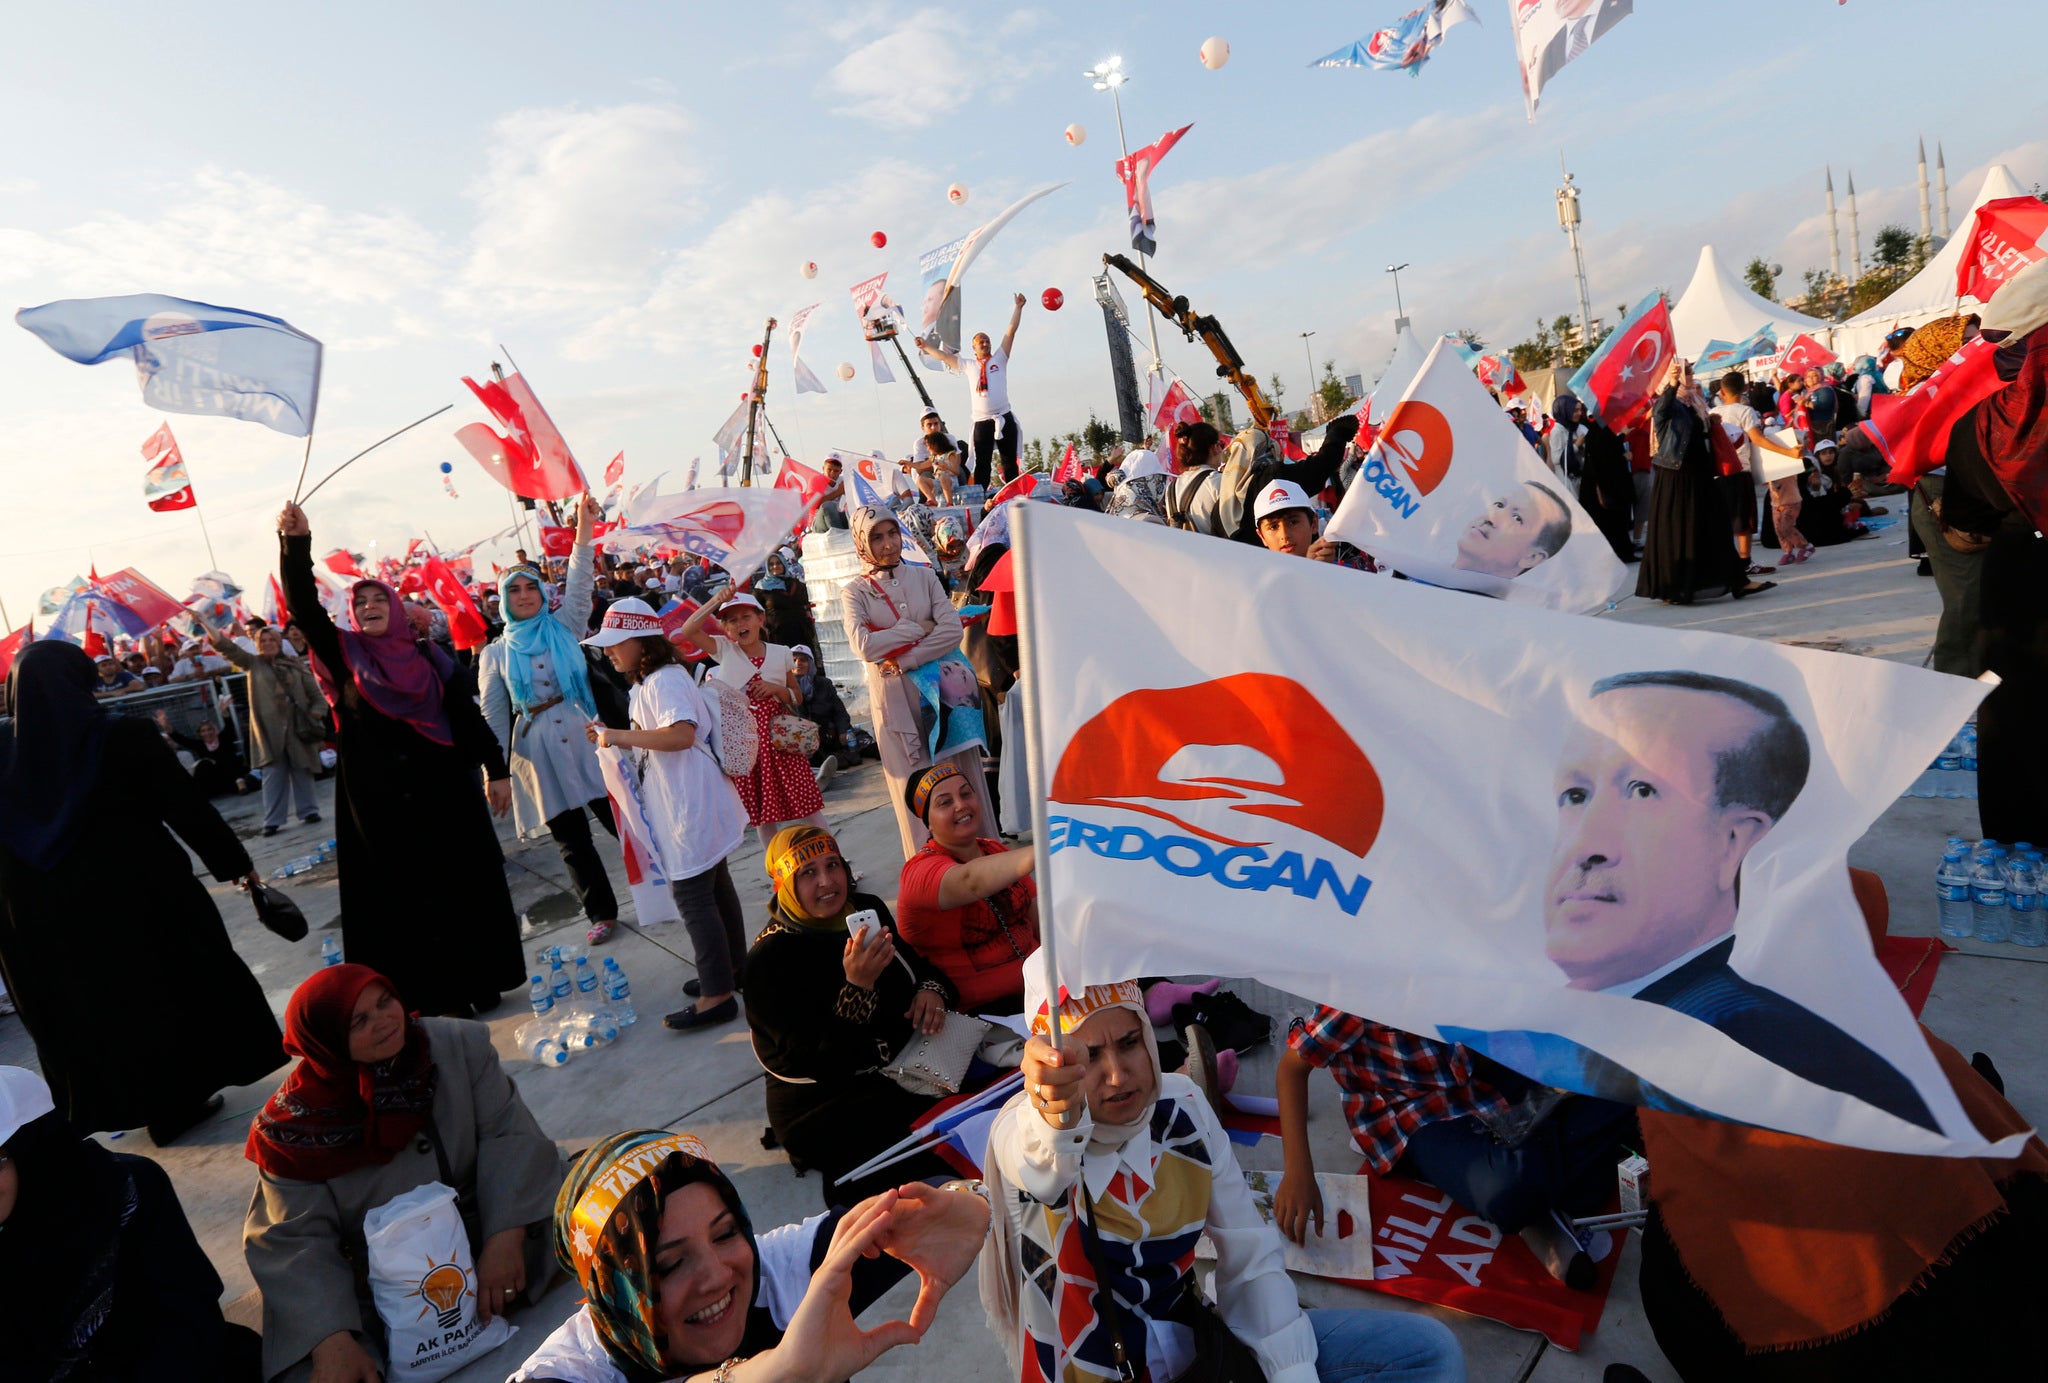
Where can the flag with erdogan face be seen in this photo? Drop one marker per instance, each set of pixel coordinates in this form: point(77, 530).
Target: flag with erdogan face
point(1452, 494)
point(466, 625)
point(1620, 380)
point(529, 457)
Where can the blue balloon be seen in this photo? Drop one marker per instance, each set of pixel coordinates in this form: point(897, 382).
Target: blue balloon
point(447, 468)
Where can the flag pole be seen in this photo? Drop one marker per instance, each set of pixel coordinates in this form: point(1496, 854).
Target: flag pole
point(4, 619)
point(1028, 640)
point(304, 461)
point(370, 448)
point(211, 562)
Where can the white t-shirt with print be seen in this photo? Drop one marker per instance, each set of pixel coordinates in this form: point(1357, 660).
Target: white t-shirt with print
point(996, 401)
point(696, 813)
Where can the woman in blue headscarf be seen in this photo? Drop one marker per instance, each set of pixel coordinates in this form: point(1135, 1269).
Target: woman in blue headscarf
point(537, 698)
point(1870, 383)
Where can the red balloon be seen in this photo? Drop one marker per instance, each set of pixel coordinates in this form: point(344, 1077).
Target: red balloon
point(757, 350)
point(878, 239)
point(1052, 298)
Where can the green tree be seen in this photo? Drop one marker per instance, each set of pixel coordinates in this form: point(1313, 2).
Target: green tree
point(1331, 390)
point(1033, 455)
point(1275, 390)
point(1762, 282)
point(1099, 437)
point(1471, 338)
point(1569, 356)
point(1215, 411)
point(1537, 352)
point(1894, 247)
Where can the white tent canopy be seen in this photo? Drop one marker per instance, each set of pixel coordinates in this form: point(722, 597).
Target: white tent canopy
point(1931, 293)
point(1718, 306)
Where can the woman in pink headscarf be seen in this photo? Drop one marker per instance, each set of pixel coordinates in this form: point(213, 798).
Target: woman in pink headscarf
point(423, 893)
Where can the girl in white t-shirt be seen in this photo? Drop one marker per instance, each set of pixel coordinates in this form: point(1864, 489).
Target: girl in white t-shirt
point(695, 813)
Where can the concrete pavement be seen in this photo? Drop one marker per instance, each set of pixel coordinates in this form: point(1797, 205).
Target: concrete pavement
point(1862, 598)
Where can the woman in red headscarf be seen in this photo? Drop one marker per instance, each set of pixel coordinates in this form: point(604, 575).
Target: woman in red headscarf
point(416, 755)
point(382, 1102)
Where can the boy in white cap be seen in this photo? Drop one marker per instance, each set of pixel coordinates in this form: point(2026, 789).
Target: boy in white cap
point(1287, 522)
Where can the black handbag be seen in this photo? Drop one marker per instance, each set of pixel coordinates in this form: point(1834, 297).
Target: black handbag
point(278, 912)
point(1220, 1357)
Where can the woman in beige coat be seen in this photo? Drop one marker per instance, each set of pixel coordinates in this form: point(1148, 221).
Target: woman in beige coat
point(287, 723)
point(382, 1103)
point(898, 617)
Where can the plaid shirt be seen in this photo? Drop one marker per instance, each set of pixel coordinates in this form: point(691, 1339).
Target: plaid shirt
point(1393, 1082)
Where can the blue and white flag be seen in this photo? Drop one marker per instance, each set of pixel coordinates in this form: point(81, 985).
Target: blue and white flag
point(1407, 43)
point(193, 357)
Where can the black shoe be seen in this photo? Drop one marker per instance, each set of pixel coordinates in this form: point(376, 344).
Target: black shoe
point(1925, 568)
point(692, 988)
point(1230, 1020)
point(1562, 1249)
point(1624, 1373)
point(270, 830)
point(684, 1019)
point(168, 1131)
point(309, 818)
point(486, 1003)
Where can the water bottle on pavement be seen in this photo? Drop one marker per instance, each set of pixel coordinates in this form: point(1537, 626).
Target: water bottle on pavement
point(330, 951)
point(539, 1039)
point(618, 993)
point(542, 996)
point(1968, 735)
point(1952, 895)
point(559, 981)
point(587, 996)
point(1951, 756)
point(1987, 899)
point(2029, 927)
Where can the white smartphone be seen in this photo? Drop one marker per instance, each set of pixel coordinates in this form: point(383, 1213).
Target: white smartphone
point(861, 923)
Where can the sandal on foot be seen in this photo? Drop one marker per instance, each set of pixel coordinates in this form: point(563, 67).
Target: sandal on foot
point(599, 933)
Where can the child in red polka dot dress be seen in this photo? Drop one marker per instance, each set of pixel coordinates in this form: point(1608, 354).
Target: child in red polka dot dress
point(782, 790)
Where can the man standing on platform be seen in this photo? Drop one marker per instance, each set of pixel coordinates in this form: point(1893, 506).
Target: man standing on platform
point(988, 380)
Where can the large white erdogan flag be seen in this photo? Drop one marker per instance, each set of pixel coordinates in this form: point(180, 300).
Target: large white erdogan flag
point(1609, 856)
point(1452, 494)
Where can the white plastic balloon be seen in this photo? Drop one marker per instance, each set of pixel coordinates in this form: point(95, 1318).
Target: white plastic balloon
point(956, 194)
point(1077, 134)
point(1215, 52)
point(810, 269)
point(845, 370)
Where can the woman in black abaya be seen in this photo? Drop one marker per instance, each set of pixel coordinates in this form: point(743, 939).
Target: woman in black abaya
point(84, 795)
point(1690, 548)
point(423, 893)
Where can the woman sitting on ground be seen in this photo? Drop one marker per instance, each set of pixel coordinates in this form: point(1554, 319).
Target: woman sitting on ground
point(677, 1285)
point(100, 1271)
point(822, 706)
point(787, 600)
point(969, 904)
point(1105, 1173)
point(383, 1102)
point(829, 1010)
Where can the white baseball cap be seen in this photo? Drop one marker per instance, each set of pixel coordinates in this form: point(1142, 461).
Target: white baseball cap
point(24, 1098)
point(631, 618)
point(1280, 495)
point(742, 601)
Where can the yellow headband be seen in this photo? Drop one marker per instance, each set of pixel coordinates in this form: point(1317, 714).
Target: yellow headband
point(594, 1209)
point(929, 783)
point(1076, 1009)
point(784, 866)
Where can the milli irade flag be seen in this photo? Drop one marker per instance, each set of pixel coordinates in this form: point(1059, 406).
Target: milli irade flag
point(2005, 237)
point(1611, 857)
point(466, 627)
point(530, 457)
point(193, 357)
point(1134, 171)
point(165, 485)
point(1552, 33)
point(1619, 381)
point(1451, 493)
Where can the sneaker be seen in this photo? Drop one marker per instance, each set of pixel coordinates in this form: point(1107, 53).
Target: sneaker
point(826, 770)
point(686, 1019)
point(1758, 569)
point(1562, 1251)
point(309, 818)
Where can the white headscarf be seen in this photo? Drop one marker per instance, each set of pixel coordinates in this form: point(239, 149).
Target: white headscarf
point(24, 1098)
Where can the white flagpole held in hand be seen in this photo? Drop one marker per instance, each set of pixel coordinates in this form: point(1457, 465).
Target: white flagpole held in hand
point(1028, 615)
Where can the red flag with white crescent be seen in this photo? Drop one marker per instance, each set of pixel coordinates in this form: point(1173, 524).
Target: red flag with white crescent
point(465, 622)
point(1804, 354)
point(557, 541)
point(166, 486)
point(530, 458)
point(615, 469)
point(1622, 378)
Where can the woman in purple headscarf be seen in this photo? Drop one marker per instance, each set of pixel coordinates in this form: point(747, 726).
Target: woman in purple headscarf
point(423, 893)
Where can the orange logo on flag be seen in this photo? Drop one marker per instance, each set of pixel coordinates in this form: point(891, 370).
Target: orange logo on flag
point(1418, 435)
point(1326, 785)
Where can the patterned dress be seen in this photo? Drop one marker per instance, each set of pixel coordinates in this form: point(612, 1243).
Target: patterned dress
point(782, 786)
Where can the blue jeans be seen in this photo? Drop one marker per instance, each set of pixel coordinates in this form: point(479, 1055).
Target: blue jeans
point(1385, 1347)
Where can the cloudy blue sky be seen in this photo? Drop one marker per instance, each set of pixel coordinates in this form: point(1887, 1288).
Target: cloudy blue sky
point(621, 193)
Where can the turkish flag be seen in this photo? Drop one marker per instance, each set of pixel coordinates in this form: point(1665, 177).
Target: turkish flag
point(795, 475)
point(1804, 354)
point(465, 622)
point(1070, 466)
point(616, 469)
point(557, 542)
point(1629, 366)
point(673, 617)
point(1020, 488)
point(1175, 407)
point(342, 562)
point(1911, 430)
point(166, 486)
point(1134, 171)
point(2005, 237)
point(529, 458)
point(12, 645)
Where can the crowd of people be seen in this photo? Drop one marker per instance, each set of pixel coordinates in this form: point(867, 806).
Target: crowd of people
point(1110, 1161)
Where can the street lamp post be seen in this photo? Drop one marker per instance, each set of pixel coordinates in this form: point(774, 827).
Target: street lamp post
point(1305, 350)
point(1568, 218)
point(1109, 75)
point(1400, 316)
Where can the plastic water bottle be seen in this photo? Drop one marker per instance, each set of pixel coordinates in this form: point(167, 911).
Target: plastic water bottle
point(618, 993)
point(1952, 895)
point(330, 951)
point(1968, 736)
point(1993, 922)
point(1951, 756)
point(542, 996)
point(587, 997)
point(559, 981)
point(540, 1039)
point(2029, 927)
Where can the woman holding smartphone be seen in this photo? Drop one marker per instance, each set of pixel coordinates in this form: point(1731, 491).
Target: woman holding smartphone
point(832, 994)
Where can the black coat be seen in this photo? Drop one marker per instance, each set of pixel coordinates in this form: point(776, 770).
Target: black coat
point(423, 894)
point(118, 938)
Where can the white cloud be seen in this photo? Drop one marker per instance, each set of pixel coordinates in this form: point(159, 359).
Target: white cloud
point(574, 206)
point(914, 75)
